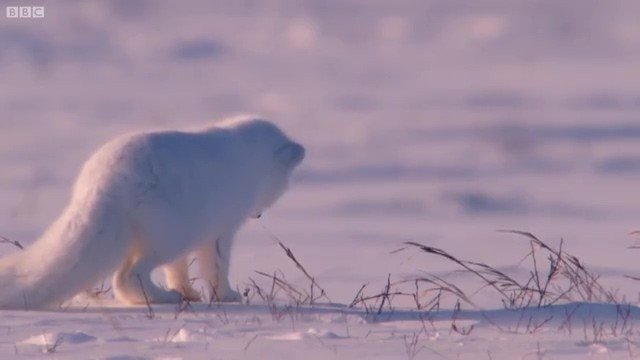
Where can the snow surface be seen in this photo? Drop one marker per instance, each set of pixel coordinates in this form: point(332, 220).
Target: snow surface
point(430, 121)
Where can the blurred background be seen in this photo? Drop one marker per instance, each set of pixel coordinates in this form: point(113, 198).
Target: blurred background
point(432, 121)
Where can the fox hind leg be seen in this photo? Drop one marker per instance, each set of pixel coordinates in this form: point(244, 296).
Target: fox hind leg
point(121, 284)
point(132, 283)
point(177, 277)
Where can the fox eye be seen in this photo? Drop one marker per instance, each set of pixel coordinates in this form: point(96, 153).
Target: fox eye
point(290, 154)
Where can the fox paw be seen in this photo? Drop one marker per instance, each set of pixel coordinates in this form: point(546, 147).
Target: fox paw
point(231, 296)
point(165, 297)
point(191, 295)
point(226, 296)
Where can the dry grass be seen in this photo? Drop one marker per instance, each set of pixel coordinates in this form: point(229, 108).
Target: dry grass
point(150, 313)
point(16, 243)
point(561, 276)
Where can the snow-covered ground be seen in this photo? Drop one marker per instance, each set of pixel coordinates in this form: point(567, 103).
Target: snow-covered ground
point(437, 122)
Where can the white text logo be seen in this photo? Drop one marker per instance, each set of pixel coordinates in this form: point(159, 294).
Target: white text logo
point(25, 12)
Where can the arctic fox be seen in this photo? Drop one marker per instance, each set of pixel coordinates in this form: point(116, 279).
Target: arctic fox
point(148, 200)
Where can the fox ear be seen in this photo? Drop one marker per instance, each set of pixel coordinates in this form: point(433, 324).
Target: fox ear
point(290, 154)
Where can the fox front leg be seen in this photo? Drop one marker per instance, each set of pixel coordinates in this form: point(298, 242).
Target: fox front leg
point(214, 264)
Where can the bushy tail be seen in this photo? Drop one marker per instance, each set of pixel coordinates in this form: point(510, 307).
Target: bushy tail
point(78, 250)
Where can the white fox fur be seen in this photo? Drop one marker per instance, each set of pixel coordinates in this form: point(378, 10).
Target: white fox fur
point(149, 200)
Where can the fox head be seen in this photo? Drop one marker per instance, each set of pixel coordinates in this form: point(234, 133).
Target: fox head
point(277, 156)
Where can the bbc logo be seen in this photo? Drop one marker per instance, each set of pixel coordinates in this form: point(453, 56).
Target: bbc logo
point(25, 11)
